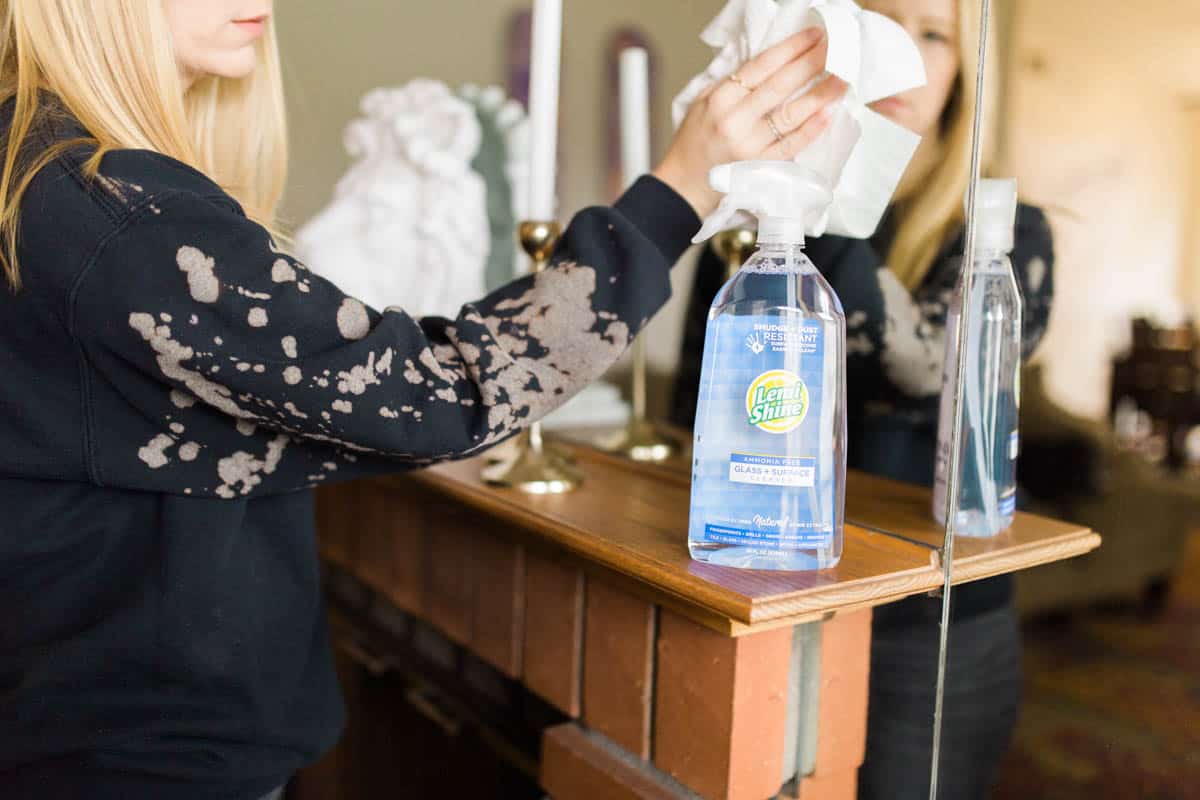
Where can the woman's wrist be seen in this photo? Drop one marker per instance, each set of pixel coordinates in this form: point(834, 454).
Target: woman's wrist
point(691, 187)
point(662, 214)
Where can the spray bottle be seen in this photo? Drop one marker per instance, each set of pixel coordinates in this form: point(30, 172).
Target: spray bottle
point(769, 460)
point(991, 387)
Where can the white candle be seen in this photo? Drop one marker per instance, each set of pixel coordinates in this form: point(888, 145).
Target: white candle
point(635, 162)
point(635, 114)
point(543, 107)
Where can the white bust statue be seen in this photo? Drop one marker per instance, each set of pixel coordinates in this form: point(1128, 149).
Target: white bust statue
point(408, 224)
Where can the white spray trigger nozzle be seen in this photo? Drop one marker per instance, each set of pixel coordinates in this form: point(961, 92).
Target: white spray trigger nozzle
point(782, 194)
point(995, 213)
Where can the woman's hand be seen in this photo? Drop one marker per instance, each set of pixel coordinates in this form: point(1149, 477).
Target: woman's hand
point(748, 116)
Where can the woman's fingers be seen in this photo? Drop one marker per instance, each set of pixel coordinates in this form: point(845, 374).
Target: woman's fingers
point(727, 94)
point(784, 82)
point(792, 115)
point(721, 126)
point(792, 144)
point(758, 69)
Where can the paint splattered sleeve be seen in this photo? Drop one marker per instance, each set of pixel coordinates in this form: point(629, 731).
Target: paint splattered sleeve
point(196, 299)
point(1033, 265)
point(896, 338)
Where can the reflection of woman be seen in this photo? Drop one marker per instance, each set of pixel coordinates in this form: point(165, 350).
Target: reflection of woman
point(895, 288)
point(173, 384)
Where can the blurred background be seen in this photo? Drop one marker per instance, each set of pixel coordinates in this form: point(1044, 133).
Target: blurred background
point(1100, 123)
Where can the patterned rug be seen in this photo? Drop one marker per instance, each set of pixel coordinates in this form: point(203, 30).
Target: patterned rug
point(1112, 707)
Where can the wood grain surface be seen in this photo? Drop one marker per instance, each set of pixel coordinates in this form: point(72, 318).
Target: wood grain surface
point(631, 519)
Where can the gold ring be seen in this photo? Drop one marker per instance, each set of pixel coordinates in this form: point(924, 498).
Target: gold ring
point(774, 129)
point(734, 77)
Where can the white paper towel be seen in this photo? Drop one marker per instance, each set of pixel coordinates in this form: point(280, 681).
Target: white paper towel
point(862, 155)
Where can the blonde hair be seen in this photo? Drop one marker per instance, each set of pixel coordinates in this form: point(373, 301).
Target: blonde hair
point(927, 218)
point(110, 65)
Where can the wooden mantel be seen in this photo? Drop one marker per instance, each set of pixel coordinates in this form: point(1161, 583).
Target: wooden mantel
point(672, 679)
point(631, 520)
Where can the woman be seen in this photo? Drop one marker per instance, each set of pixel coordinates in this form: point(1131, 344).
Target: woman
point(895, 288)
point(174, 384)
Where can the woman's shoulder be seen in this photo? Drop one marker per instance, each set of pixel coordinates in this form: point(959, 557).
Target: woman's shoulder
point(128, 181)
point(125, 180)
point(67, 215)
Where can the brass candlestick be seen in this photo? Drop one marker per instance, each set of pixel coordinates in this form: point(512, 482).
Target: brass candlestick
point(734, 247)
point(533, 467)
point(640, 439)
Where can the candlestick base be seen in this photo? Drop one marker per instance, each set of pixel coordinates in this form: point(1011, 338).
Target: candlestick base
point(510, 449)
point(529, 463)
point(640, 440)
point(535, 471)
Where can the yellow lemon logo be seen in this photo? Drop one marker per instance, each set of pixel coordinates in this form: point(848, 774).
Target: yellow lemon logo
point(777, 401)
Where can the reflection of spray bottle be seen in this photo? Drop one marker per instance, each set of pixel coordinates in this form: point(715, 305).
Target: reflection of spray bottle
point(991, 386)
point(769, 462)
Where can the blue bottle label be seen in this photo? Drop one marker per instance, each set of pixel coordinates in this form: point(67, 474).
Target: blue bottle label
point(773, 495)
point(1008, 503)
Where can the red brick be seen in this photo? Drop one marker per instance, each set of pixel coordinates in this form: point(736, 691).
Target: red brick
point(409, 551)
point(842, 713)
point(374, 518)
point(721, 708)
point(498, 576)
point(577, 765)
point(618, 666)
point(449, 598)
point(833, 786)
point(389, 551)
point(552, 657)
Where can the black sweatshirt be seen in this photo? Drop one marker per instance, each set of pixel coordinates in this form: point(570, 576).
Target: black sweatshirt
point(895, 346)
point(173, 387)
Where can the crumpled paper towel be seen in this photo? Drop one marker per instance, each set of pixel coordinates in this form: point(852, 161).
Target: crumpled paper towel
point(862, 155)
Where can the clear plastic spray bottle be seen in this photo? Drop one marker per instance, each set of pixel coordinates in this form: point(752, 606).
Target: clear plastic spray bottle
point(769, 461)
point(992, 384)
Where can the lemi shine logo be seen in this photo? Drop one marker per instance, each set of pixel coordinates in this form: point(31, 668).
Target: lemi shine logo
point(777, 401)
